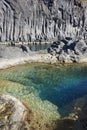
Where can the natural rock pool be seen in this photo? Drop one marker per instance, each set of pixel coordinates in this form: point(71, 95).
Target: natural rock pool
point(51, 90)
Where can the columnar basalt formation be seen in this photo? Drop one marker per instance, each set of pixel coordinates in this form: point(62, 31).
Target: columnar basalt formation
point(42, 20)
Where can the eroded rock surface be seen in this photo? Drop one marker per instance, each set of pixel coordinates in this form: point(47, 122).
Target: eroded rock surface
point(12, 113)
point(15, 115)
point(40, 20)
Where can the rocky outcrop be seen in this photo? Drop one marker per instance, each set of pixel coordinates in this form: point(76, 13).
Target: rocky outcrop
point(42, 20)
point(12, 112)
point(69, 50)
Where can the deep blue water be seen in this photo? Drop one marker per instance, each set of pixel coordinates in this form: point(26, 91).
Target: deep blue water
point(59, 84)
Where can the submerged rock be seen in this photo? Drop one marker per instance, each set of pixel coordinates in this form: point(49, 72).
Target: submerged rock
point(15, 115)
point(69, 50)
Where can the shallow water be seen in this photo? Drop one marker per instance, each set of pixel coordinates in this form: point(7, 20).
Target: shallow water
point(58, 84)
point(39, 47)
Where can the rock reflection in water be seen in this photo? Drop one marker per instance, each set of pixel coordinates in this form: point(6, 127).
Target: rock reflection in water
point(39, 46)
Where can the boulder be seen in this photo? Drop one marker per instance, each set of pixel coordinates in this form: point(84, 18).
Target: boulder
point(25, 48)
point(12, 112)
point(69, 50)
point(81, 47)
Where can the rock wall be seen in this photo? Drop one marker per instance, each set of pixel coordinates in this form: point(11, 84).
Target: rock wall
point(42, 20)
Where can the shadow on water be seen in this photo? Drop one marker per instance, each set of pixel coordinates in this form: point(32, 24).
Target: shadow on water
point(70, 123)
point(64, 96)
point(66, 124)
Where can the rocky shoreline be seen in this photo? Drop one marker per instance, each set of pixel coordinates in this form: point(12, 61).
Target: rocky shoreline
point(12, 113)
point(62, 51)
point(11, 56)
point(69, 50)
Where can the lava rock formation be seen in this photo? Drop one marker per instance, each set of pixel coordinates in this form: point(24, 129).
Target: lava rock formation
point(42, 20)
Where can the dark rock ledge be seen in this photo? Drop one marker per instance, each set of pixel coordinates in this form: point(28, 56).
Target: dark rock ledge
point(69, 50)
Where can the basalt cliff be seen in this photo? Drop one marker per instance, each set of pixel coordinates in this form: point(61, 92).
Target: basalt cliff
point(42, 20)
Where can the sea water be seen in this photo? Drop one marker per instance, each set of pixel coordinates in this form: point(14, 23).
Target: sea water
point(59, 85)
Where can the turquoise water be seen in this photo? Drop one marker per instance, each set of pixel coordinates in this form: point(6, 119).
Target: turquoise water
point(58, 84)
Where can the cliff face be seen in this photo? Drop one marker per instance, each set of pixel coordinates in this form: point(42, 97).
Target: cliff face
point(30, 20)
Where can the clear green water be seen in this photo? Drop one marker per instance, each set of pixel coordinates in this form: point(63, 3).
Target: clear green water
point(58, 84)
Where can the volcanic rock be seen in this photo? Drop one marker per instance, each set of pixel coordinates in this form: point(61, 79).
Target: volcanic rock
point(42, 20)
point(69, 50)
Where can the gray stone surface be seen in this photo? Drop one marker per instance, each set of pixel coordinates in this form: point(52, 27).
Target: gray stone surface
point(9, 52)
point(40, 20)
point(12, 112)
